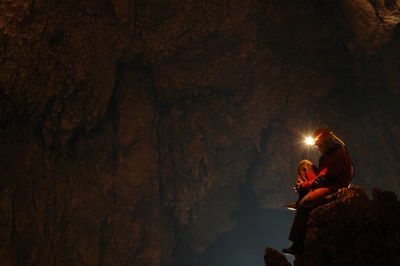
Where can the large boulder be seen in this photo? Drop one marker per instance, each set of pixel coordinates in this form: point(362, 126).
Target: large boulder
point(351, 230)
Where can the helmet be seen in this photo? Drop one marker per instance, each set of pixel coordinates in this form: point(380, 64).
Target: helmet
point(323, 136)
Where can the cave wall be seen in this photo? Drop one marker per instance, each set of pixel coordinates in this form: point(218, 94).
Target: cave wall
point(127, 127)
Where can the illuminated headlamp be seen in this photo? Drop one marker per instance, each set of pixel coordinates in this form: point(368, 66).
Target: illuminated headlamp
point(313, 141)
point(310, 141)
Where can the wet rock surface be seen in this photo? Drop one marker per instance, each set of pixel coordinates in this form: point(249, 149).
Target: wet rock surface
point(127, 127)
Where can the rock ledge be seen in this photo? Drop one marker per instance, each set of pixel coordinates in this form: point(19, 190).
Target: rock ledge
point(351, 230)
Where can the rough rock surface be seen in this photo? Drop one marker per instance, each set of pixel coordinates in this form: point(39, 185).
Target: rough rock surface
point(275, 258)
point(127, 127)
point(373, 22)
point(351, 230)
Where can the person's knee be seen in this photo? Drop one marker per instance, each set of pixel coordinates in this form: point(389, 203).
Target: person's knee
point(305, 164)
point(305, 203)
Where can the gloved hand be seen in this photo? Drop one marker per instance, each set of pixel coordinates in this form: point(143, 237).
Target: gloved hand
point(302, 186)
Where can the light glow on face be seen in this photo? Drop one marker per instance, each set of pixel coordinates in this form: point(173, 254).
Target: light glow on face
point(309, 141)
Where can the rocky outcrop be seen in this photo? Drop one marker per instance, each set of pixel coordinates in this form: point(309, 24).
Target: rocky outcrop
point(353, 230)
point(274, 258)
point(127, 127)
point(373, 22)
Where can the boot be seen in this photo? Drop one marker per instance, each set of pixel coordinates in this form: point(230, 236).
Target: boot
point(292, 206)
point(294, 249)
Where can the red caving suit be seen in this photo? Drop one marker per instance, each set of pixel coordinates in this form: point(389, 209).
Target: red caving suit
point(335, 171)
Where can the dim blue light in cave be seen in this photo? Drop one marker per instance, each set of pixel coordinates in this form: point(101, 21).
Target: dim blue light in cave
point(244, 245)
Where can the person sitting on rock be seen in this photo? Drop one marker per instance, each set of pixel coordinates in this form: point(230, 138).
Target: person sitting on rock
point(315, 184)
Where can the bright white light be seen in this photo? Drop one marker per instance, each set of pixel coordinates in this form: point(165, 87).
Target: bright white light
point(310, 141)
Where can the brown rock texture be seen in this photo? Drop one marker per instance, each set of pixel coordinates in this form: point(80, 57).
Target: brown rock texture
point(275, 258)
point(353, 230)
point(373, 22)
point(128, 126)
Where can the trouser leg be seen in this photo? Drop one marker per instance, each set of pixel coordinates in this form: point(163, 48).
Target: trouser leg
point(298, 230)
point(306, 205)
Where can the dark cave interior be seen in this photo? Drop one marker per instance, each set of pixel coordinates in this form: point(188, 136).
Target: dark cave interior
point(166, 132)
